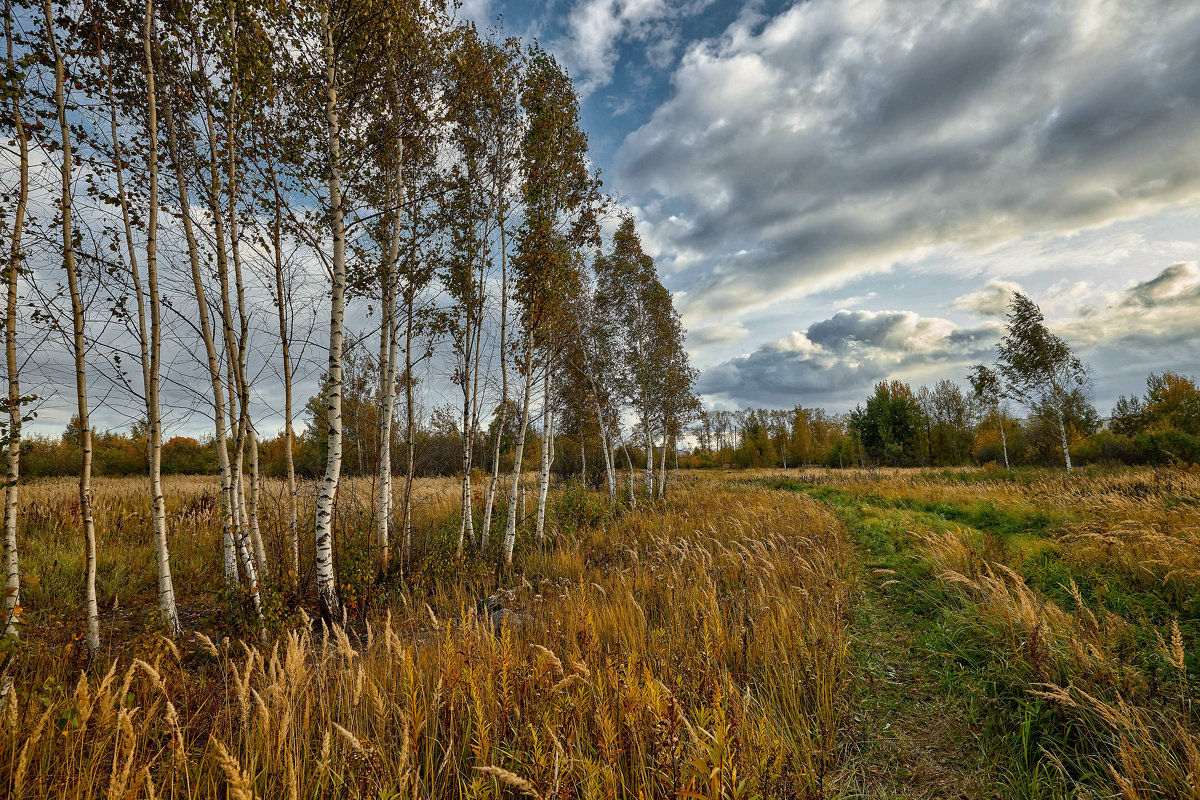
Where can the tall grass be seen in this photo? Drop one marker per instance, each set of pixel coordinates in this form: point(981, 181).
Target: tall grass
point(1125, 710)
point(696, 647)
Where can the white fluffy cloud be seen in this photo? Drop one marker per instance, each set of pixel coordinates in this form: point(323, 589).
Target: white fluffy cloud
point(596, 28)
point(849, 136)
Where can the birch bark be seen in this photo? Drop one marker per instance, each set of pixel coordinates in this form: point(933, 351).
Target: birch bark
point(12, 582)
point(510, 532)
point(214, 370)
point(387, 358)
point(547, 444)
point(151, 344)
point(77, 340)
point(289, 435)
point(502, 422)
point(326, 581)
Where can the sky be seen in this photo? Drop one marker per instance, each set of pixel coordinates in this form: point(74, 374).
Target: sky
point(841, 191)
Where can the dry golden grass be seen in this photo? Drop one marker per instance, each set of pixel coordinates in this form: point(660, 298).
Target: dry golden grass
point(695, 647)
point(51, 549)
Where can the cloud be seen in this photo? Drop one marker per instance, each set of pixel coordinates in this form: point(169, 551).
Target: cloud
point(990, 301)
point(1123, 334)
point(596, 28)
point(715, 334)
point(840, 138)
point(837, 359)
point(1178, 283)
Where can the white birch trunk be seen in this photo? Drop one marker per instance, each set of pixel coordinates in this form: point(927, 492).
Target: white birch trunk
point(260, 551)
point(239, 517)
point(12, 581)
point(289, 435)
point(510, 531)
point(607, 451)
point(151, 345)
point(388, 344)
point(409, 428)
point(228, 508)
point(662, 467)
point(649, 458)
point(494, 481)
point(68, 243)
point(1003, 440)
point(629, 461)
point(326, 580)
point(1062, 431)
point(166, 584)
point(473, 331)
point(547, 439)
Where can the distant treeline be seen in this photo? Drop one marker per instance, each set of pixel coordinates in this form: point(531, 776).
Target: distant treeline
point(435, 451)
point(945, 425)
point(942, 425)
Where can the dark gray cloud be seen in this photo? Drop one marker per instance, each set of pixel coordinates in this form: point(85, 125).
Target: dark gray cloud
point(837, 359)
point(1178, 283)
point(839, 138)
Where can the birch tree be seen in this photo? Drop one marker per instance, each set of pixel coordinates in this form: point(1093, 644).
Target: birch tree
point(148, 330)
point(990, 395)
point(180, 164)
point(1038, 367)
point(409, 92)
point(560, 198)
point(500, 69)
point(326, 581)
point(78, 348)
point(14, 93)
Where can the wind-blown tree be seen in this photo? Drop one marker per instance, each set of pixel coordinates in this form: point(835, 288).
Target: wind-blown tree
point(641, 337)
point(675, 377)
point(989, 393)
point(590, 389)
point(230, 51)
point(470, 221)
point(498, 72)
point(622, 282)
point(272, 199)
point(402, 139)
point(560, 197)
point(178, 107)
point(1038, 367)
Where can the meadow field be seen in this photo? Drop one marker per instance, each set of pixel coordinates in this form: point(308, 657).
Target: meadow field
point(796, 634)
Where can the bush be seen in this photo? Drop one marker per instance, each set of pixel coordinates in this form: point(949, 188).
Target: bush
point(575, 508)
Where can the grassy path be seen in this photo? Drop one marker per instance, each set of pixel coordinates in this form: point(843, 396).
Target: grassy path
point(917, 731)
point(916, 739)
point(924, 697)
